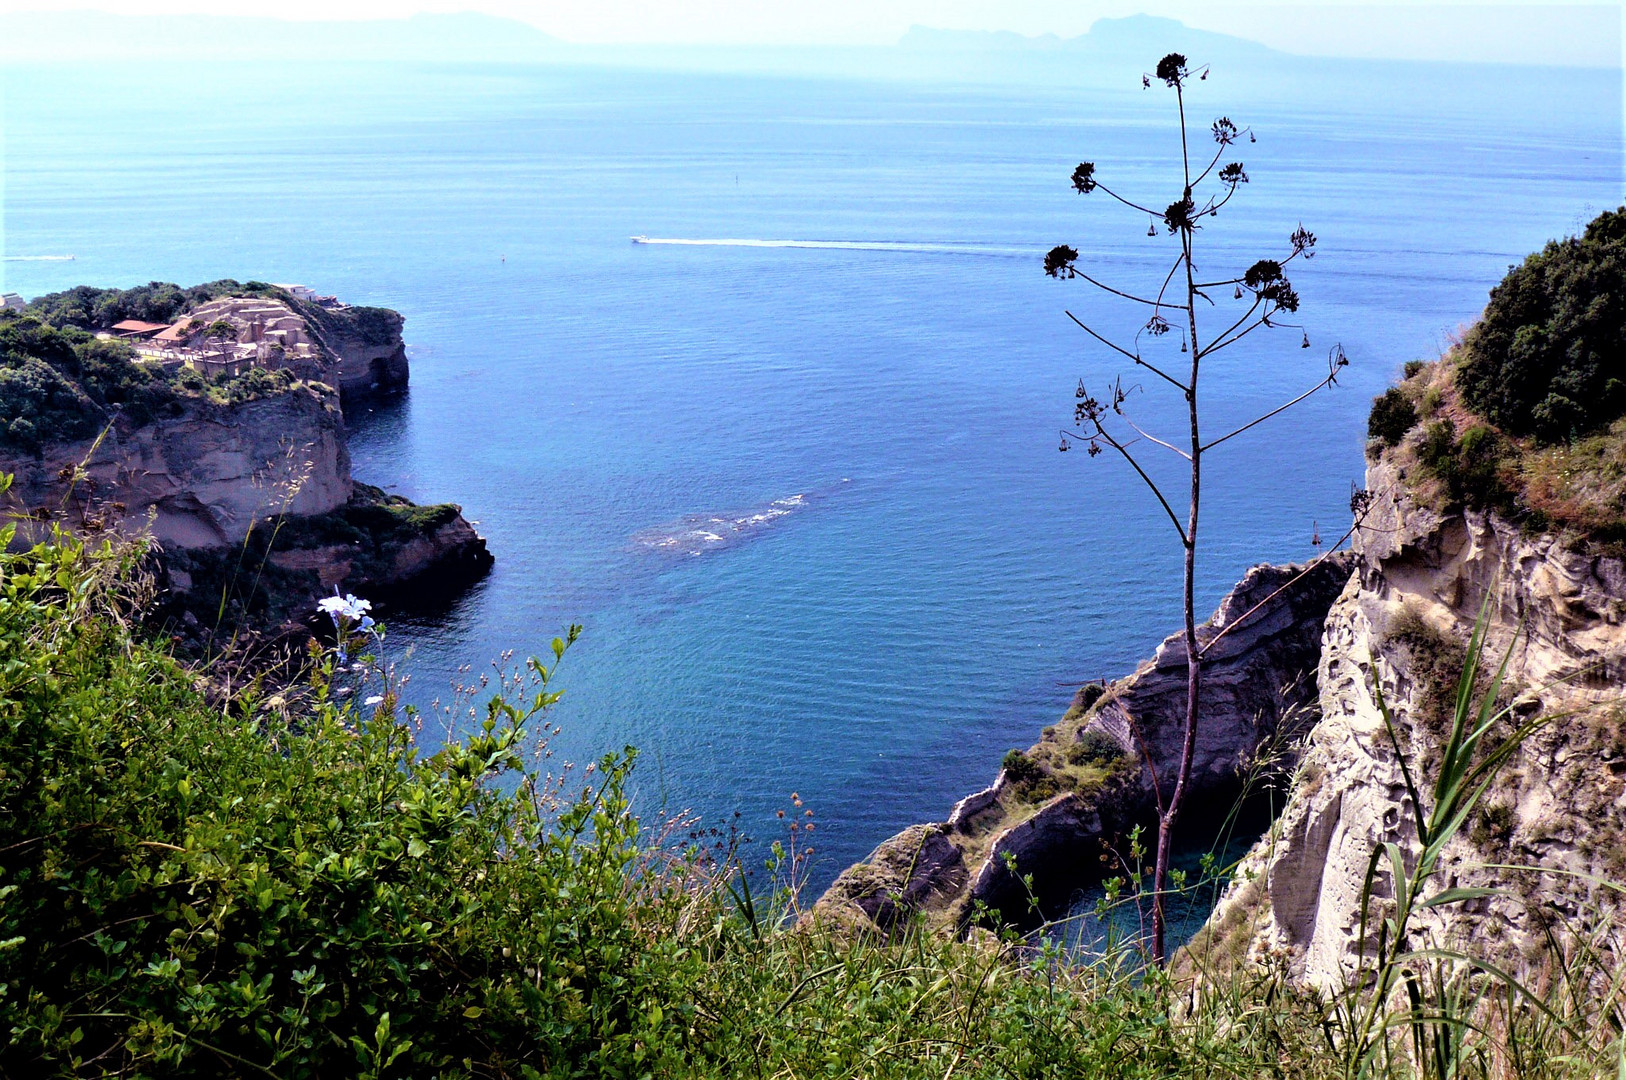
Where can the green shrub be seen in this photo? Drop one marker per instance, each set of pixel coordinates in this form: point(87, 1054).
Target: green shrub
point(37, 403)
point(242, 883)
point(90, 308)
point(1094, 747)
point(1470, 468)
point(1020, 768)
point(1392, 416)
point(1546, 357)
point(61, 384)
point(1413, 368)
point(191, 891)
point(257, 383)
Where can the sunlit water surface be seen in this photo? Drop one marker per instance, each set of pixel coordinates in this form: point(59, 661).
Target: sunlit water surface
point(805, 497)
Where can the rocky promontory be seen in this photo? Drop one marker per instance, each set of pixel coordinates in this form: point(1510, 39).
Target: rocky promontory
point(211, 421)
point(1057, 809)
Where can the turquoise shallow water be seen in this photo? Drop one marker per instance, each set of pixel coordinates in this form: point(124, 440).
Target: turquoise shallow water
point(806, 501)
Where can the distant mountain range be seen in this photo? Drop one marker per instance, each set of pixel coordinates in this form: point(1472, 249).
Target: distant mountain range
point(1110, 47)
point(1137, 35)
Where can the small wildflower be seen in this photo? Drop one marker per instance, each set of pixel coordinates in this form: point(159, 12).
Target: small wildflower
point(348, 606)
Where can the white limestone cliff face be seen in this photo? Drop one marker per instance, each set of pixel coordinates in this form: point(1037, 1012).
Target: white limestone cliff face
point(1559, 804)
point(200, 479)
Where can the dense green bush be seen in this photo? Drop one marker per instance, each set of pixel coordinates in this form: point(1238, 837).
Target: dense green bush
point(64, 384)
point(1548, 358)
point(60, 383)
point(1020, 768)
point(1094, 748)
point(1392, 416)
point(1471, 466)
point(37, 403)
point(90, 308)
point(190, 890)
point(285, 885)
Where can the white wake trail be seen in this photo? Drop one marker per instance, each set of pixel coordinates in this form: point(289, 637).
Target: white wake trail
point(850, 245)
point(37, 258)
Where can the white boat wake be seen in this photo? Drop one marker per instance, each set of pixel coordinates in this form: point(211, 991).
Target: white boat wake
point(852, 245)
point(37, 258)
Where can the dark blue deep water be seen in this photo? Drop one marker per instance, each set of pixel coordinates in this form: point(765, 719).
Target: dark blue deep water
point(806, 501)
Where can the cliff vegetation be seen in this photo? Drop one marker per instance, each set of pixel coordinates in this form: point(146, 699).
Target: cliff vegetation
point(1526, 415)
point(308, 883)
point(59, 383)
point(225, 445)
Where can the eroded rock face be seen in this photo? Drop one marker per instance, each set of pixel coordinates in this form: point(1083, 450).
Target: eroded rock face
point(918, 869)
point(1259, 671)
point(1560, 802)
point(201, 479)
point(1268, 633)
point(368, 365)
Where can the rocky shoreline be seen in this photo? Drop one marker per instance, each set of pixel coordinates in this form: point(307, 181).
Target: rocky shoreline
point(243, 488)
point(1055, 810)
point(1294, 684)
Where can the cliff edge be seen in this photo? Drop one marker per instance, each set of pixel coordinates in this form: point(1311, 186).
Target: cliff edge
point(1056, 812)
point(1402, 623)
point(220, 435)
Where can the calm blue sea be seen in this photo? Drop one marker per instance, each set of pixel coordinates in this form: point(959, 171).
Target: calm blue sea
point(806, 501)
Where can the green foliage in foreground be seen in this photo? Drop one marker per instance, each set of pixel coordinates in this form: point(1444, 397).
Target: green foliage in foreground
point(204, 883)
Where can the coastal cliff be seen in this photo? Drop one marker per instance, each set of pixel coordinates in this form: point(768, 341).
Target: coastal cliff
point(1056, 809)
point(201, 477)
point(1401, 623)
point(218, 434)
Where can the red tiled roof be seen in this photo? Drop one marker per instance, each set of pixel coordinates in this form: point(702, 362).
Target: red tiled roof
point(136, 326)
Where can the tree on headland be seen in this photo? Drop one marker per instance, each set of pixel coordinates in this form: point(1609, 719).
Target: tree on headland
point(1263, 297)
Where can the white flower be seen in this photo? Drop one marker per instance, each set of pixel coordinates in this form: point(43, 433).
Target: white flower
point(373, 699)
point(347, 606)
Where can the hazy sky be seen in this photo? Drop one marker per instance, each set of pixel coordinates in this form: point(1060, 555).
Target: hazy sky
point(1528, 32)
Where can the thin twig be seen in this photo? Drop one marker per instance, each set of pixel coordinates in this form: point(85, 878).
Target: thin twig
point(1153, 438)
point(1328, 381)
point(1294, 580)
point(1150, 483)
point(1116, 292)
point(1101, 339)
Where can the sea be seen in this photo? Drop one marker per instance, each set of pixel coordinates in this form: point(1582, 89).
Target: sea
point(795, 471)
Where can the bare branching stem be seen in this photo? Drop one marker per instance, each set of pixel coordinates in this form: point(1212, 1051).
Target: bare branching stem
point(1270, 295)
point(1102, 340)
point(1328, 381)
point(1106, 437)
point(1288, 584)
